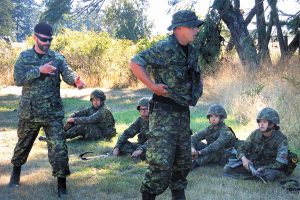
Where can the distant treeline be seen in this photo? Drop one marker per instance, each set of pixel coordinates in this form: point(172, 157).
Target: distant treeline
point(102, 61)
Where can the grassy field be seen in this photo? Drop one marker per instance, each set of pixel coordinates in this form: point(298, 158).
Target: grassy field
point(114, 178)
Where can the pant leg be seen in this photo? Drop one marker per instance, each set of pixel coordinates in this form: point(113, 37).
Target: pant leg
point(161, 147)
point(273, 174)
point(128, 148)
point(207, 159)
point(75, 131)
point(182, 160)
point(57, 148)
point(238, 172)
point(27, 133)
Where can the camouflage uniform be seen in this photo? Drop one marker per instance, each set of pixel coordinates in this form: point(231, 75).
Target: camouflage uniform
point(218, 138)
point(268, 153)
point(92, 123)
point(169, 138)
point(41, 106)
point(140, 127)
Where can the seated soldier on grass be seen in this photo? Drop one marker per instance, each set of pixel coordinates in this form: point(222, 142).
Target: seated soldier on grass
point(266, 149)
point(218, 136)
point(140, 127)
point(95, 122)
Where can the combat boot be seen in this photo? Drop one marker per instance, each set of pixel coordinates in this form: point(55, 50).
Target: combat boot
point(15, 176)
point(148, 196)
point(61, 187)
point(178, 194)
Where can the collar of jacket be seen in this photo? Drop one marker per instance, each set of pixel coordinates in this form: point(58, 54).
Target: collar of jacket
point(49, 53)
point(267, 138)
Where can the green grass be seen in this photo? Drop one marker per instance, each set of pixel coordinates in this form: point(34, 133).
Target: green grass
point(116, 178)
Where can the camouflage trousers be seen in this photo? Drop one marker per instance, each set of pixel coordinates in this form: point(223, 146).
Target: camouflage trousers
point(90, 131)
point(128, 148)
point(168, 149)
point(214, 157)
point(57, 148)
point(240, 172)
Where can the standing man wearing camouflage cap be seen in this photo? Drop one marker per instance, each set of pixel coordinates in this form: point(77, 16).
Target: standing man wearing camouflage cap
point(177, 85)
point(218, 136)
point(39, 70)
point(266, 148)
point(140, 127)
point(95, 122)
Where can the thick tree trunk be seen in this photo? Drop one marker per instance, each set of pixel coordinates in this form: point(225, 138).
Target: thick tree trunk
point(248, 19)
point(263, 50)
point(294, 44)
point(274, 11)
point(238, 29)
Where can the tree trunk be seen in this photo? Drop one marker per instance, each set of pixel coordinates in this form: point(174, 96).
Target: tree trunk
point(248, 19)
point(238, 29)
point(274, 11)
point(263, 50)
point(294, 44)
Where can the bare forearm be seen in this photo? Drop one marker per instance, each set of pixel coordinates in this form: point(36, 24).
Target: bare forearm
point(142, 75)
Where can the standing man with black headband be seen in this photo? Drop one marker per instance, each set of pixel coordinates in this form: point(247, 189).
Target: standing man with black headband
point(177, 85)
point(39, 70)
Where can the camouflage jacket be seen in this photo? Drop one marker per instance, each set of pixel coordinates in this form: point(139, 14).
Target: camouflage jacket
point(172, 67)
point(218, 139)
point(40, 98)
point(267, 152)
point(140, 127)
point(102, 117)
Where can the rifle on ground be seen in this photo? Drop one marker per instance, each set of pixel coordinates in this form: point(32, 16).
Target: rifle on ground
point(82, 156)
point(233, 163)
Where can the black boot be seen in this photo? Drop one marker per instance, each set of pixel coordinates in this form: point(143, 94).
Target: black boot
point(61, 186)
point(15, 176)
point(178, 194)
point(148, 196)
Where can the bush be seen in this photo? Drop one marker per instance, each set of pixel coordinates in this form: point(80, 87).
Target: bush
point(8, 56)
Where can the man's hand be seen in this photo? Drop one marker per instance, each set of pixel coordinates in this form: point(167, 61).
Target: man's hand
point(246, 162)
point(160, 89)
point(79, 83)
point(116, 151)
point(70, 120)
point(47, 68)
point(136, 153)
point(195, 153)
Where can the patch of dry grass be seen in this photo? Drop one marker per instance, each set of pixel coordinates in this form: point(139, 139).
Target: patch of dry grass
point(118, 178)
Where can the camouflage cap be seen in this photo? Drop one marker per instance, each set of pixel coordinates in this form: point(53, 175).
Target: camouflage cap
point(98, 94)
point(216, 109)
point(268, 114)
point(185, 18)
point(43, 28)
point(143, 102)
